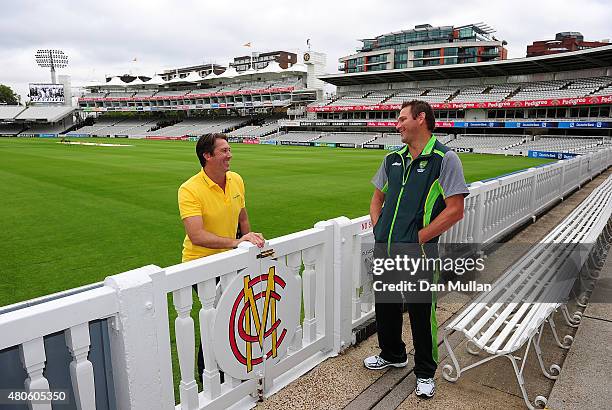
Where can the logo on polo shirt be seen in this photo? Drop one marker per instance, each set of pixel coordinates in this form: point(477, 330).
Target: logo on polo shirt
point(422, 166)
point(396, 164)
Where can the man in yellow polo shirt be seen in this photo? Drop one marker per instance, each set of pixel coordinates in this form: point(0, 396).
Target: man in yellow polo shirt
point(212, 203)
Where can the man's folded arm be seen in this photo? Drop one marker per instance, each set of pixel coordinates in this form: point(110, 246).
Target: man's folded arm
point(194, 226)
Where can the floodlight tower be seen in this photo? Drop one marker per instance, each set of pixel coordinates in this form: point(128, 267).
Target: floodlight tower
point(53, 59)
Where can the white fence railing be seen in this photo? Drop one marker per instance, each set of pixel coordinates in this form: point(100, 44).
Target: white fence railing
point(267, 315)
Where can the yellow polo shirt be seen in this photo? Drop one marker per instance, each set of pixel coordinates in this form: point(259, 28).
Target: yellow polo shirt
point(219, 210)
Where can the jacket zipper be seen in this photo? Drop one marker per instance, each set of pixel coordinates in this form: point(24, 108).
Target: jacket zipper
point(399, 198)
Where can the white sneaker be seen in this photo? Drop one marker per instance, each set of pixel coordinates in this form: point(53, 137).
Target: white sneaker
point(425, 388)
point(377, 363)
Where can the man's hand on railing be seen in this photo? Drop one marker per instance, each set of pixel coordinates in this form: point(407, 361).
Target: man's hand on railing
point(255, 238)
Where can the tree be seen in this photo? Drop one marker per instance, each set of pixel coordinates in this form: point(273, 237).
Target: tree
point(7, 96)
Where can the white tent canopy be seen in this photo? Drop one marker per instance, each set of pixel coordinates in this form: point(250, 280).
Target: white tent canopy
point(211, 76)
point(115, 82)
point(193, 77)
point(229, 73)
point(273, 68)
point(176, 80)
point(250, 71)
point(156, 80)
point(136, 81)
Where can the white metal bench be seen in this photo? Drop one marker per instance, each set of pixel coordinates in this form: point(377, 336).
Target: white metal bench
point(524, 299)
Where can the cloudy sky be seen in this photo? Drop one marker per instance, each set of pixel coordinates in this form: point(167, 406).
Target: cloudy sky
point(105, 37)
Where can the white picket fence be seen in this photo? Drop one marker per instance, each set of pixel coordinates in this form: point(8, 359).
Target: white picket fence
point(334, 300)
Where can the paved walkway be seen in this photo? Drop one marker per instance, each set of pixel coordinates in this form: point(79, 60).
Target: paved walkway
point(343, 381)
point(584, 381)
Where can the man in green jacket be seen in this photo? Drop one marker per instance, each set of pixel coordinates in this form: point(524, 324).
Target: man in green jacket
point(422, 188)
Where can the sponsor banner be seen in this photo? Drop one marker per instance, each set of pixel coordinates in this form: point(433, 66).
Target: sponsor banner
point(215, 105)
point(297, 143)
point(607, 99)
point(234, 139)
point(77, 135)
point(583, 124)
point(47, 135)
point(289, 123)
point(157, 137)
point(268, 142)
point(551, 155)
point(445, 124)
point(314, 123)
point(323, 144)
point(332, 123)
point(478, 124)
point(460, 149)
point(7, 135)
point(528, 124)
point(382, 124)
point(373, 146)
point(250, 141)
point(345, 145)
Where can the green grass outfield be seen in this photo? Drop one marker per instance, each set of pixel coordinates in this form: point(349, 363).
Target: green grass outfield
point(72, 215)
